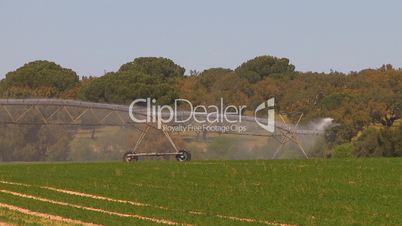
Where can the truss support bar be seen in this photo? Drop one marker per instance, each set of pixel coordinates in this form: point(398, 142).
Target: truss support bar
point(142, 135)
point(24, 113)
point(8, 113)
point(82, 114)
point(41, 115)
point(170, 140)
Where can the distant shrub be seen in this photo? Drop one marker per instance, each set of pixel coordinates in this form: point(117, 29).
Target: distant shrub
point(343, 151)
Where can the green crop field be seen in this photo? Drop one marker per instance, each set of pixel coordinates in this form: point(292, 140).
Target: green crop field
point(288, 192)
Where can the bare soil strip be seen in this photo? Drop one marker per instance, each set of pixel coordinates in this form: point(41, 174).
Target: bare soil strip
point(5, 224)
point(87, 195)
point(98, 197)
point(43, 215)
point(250, 220)
point(156, 220)
point(14, 183)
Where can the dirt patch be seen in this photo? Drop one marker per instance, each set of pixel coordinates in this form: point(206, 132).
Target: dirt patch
point(252, 220)
point(156, 220)
point(42, 215)
point(5, 224)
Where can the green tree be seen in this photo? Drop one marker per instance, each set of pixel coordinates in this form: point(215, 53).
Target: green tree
point(38, 79)
point(263, 66)
point(374, 142)
point(142, 78)
point(209, 77)
point(154, 66)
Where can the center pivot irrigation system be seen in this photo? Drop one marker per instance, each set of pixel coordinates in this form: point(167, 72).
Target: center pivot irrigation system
point(180, 154)
point(79, 113)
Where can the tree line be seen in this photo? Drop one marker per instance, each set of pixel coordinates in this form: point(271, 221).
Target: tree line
point(365, 105)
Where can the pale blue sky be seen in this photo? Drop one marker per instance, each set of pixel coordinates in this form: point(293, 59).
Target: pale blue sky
point(91, 36)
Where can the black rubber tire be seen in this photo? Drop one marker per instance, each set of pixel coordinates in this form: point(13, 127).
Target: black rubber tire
point(183, 156)
point(128, 158)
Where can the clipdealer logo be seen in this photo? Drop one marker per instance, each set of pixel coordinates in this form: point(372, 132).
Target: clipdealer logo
point(163, 115)
point(269, 105)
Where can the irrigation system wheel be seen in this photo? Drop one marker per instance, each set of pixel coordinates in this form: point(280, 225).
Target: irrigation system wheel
point(183, 156)
point(130, 156)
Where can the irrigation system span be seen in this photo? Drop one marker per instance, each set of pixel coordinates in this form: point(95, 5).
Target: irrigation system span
point(80, 113)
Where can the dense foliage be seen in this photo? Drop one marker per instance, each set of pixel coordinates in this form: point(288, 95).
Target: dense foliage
point(155, 66)
point(263, 66)
point(366, 106)
point(144, 77)
point(38, 78)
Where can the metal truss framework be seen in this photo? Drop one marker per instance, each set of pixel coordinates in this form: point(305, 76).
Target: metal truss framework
point(86, 109)
point(284, 133)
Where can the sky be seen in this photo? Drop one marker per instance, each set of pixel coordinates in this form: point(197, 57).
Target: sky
point(94, 36)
